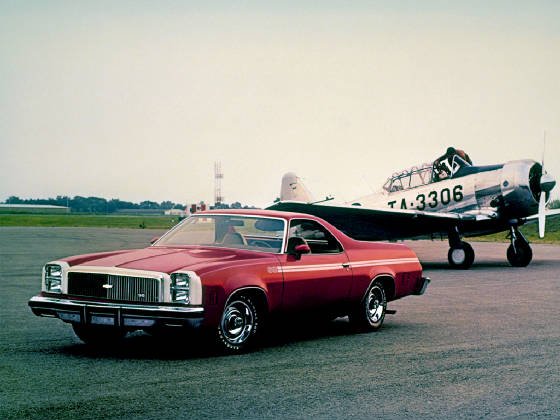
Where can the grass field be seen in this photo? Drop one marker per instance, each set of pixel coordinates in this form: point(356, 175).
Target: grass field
point(89, 220)
point(166, 222)
point(530, 231)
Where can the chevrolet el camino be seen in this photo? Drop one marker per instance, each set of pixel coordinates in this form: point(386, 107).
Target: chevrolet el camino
point(229, 270)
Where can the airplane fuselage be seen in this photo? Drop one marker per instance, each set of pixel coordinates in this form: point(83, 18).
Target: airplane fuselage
point(503, 191)
point(448, 195)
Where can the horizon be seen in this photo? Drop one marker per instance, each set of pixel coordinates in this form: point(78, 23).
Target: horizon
point(136, 100)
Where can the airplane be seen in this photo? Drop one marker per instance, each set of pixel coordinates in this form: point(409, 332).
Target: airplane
point(448, 198)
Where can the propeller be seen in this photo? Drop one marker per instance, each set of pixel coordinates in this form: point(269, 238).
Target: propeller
point(542, 215)
point(547, 183)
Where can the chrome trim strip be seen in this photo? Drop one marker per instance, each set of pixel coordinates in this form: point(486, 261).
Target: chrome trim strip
point(130, 272)
point(336, 266)
point(246, 288)
point(373, 280)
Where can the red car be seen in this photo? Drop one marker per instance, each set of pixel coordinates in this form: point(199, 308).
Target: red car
point(229, 270)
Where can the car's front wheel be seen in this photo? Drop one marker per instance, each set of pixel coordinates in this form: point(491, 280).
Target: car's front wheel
point(97, 335)
point(370, 313)
point(239, 325)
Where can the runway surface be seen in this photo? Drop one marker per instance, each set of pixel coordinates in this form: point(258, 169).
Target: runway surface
point(482, 343)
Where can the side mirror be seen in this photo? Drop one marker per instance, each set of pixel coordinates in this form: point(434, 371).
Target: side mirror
point(301, 249)
point(154, 240)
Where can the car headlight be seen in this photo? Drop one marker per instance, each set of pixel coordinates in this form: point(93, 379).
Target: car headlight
point(180, 287)
point(53, 278)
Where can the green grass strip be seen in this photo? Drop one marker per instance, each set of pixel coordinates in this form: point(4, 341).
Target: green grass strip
point(81, 220)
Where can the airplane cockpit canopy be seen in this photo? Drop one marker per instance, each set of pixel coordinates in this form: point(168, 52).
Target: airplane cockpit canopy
point(447, 166)
point(410, 178)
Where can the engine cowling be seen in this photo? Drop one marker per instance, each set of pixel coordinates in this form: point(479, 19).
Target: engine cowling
point(521, 188)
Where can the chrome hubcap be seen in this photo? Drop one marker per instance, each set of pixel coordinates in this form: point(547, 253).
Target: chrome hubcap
point(375, 306)
point(237, 322)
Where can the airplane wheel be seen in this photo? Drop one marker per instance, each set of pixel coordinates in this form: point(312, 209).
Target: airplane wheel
point(461, 256)
point(522, 257)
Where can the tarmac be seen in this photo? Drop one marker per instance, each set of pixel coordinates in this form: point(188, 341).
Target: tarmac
point(480, 343)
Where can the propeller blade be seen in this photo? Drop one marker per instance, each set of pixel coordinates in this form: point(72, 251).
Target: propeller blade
point(542, 215)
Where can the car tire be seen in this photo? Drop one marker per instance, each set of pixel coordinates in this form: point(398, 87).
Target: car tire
point(97, 335)
point(240, 325)
point(522, 257)
point(370, 313)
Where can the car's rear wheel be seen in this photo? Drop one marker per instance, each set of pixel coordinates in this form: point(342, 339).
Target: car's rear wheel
point(97, 335)
point(369, 315)
point(239, 325)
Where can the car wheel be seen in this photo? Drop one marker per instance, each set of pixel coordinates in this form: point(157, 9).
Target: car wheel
point(370, 313)
point(96, 335)
point(239, 325)
point(521, 255)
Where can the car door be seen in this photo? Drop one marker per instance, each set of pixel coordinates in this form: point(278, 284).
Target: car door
point(320, 278)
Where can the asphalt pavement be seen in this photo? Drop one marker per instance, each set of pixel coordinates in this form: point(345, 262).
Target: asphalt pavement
point(481, 343)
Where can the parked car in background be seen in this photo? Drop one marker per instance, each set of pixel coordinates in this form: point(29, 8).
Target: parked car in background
point(229, 270)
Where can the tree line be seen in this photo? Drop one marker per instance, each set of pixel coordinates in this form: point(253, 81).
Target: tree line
point(101, 205)
point(96, 204)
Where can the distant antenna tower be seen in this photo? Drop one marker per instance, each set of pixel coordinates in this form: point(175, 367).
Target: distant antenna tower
point(218, 176)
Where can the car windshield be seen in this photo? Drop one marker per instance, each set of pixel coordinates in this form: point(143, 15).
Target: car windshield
point(228, 231)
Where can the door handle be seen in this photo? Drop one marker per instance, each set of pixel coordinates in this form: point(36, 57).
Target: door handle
point(346, 265)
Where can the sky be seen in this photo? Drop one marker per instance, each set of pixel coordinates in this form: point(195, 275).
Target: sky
point(136, 100)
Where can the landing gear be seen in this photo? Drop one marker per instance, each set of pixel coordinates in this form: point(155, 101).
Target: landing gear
point(519, 253)
point(461, 254)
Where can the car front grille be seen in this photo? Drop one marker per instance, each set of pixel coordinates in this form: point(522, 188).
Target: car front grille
point(114, 287)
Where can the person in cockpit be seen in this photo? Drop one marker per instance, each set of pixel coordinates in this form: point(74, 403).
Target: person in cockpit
point(451, 153)
point(443, 166)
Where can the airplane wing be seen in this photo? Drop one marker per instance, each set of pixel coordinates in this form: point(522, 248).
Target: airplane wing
point(386, 224)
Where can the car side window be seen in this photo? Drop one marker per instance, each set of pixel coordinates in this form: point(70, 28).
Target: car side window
point(317, 237)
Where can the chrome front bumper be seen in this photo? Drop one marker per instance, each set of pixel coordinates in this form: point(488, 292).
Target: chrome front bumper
point(119, 315)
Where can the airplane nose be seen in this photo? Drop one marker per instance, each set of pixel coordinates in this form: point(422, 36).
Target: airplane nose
point(547, 183)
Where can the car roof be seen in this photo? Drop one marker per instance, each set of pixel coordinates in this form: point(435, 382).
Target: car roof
point(259, 212)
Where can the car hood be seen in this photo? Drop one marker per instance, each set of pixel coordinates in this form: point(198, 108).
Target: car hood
point(168, 260)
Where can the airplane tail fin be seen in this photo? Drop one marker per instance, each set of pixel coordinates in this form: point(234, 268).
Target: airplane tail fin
point(292, 189)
